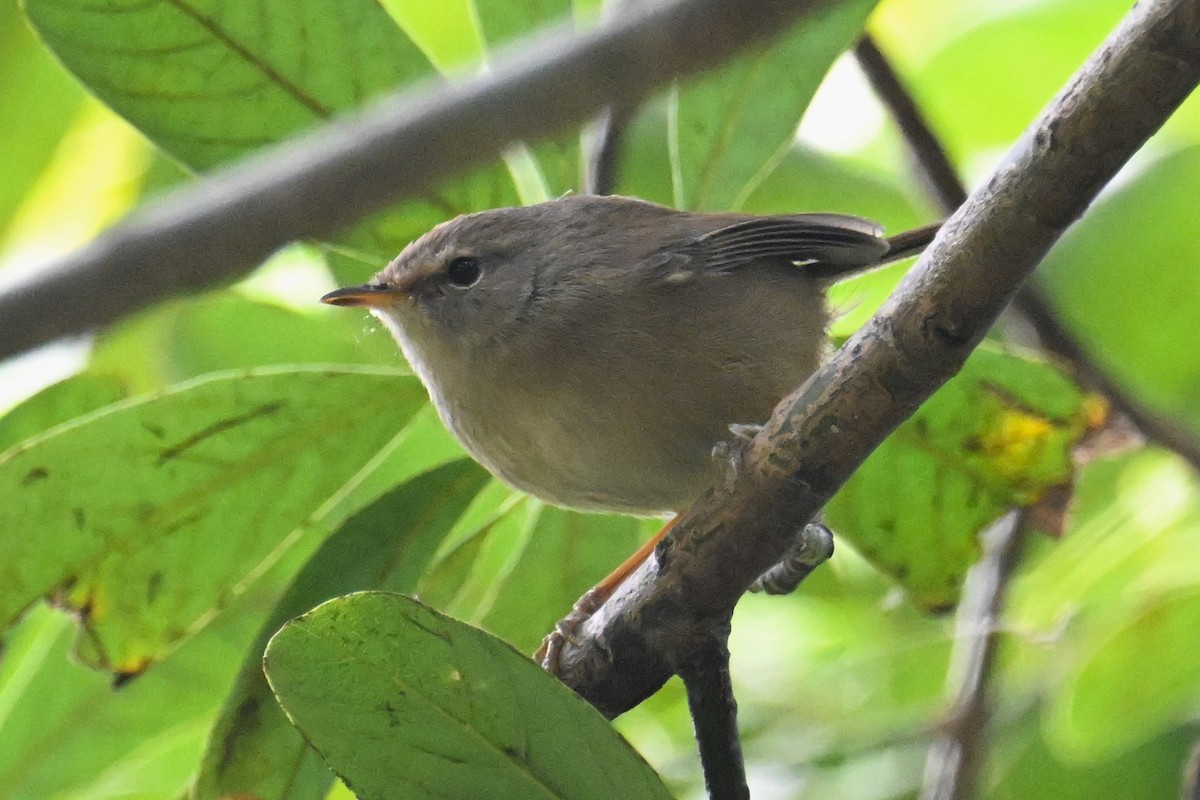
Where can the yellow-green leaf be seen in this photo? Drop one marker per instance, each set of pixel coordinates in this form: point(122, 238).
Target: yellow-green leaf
point(148, 515)
point(997, 436)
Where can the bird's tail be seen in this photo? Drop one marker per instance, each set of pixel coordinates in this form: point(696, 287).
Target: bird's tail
point(910, 243)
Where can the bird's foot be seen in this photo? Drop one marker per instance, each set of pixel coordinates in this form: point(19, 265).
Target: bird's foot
point(565, 630)
point(812, 546)
point(742, 434)
point(550, 652)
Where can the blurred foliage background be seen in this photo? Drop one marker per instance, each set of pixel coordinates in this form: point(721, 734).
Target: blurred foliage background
point(153, 637)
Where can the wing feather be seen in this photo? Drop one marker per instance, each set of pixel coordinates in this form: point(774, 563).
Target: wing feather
point(829, 245)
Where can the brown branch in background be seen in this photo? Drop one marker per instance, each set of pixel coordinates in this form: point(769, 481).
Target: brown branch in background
point(821, 433)
point(939, 174)
point(602, 139)
point(1054, 336)
point(605, 146)
point(714, 716)
point(956, 754)
point(932, 161)
point(217, 229)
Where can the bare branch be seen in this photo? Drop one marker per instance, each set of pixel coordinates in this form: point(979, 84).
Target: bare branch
point(939, 174)
point(219, 228)
point(954, 760)
point(714, 715)
point(822, 432)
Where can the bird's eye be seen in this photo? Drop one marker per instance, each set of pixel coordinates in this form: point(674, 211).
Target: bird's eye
point(463, 272)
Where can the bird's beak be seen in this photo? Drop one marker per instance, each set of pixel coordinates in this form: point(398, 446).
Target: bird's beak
point(370, 295)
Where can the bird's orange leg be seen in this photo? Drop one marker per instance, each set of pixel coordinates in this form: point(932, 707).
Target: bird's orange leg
point(547, 655)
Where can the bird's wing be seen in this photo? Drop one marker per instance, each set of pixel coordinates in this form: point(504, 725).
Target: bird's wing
point(826, 245)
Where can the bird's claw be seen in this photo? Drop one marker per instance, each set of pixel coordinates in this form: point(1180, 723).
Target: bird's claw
point(812, 546)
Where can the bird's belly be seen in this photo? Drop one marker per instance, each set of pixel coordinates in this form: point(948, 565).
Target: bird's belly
point(572, 463)
point(626, 454)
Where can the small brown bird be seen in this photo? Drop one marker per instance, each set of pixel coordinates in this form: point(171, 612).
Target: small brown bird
point(592, 351)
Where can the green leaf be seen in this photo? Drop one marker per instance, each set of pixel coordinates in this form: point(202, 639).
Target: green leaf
point(254, 750)
point(998, 435)
point(147, 516)
point(403, 702)
point(728, 127)
point(189, 337)
point(565, 554)
point(208, 81)
point(66, 733)
point(518, 570)
point(1028, 767)
point(445, 30)
point(1135, 524)
point(1117, 697)
point(1121, 584)
point(807, 180)
point(1125, 281)
point(1062, 34)
point(35, 111)
point(503, 21)
point(422, 444)
point(58, 403)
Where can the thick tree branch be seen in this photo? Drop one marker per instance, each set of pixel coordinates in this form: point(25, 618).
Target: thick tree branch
point(822, 432)
point(939, 175)
point(221, 227)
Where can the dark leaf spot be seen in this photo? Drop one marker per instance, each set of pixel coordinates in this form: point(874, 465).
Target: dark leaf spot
point(154, 586)
point(35, 475)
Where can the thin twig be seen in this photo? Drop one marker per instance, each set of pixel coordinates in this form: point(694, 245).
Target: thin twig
point(219, 228)
point(822, 432)
point(956, 755)
point(714, 715)
point(933, 163)
point(603, 162)
point(603, 137)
